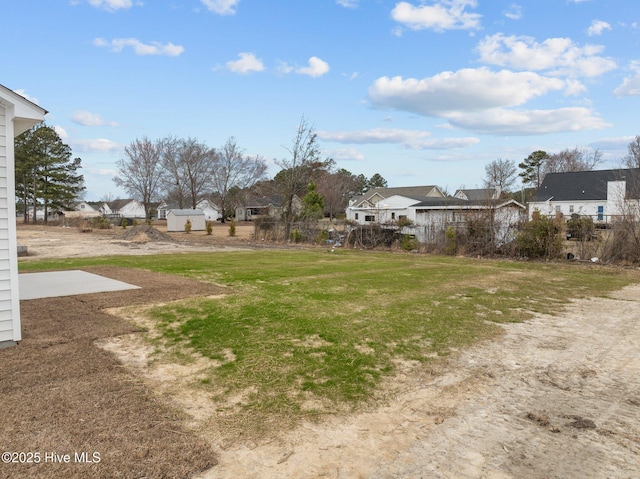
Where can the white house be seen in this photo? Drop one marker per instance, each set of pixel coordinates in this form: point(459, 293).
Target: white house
point(388, 205)
point(603, 195)
point(434, 216)
point(17, 115)
point(176, 219)
point(209, 208)
point(127, 208)
point(430, 212)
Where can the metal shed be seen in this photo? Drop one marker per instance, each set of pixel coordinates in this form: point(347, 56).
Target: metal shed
point(176, 220)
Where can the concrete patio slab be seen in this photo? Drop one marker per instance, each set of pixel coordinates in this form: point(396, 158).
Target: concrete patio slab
point(66, 283)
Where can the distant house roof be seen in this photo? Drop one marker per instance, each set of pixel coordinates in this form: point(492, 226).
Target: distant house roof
point(264, 201)
point(478, 194)
point(585, 185)
point(417, 193)
point(459, 203)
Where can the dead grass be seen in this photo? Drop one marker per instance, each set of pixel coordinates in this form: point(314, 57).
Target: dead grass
point(62, 393)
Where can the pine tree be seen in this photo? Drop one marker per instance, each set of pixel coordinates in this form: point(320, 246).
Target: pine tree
point(45, 173)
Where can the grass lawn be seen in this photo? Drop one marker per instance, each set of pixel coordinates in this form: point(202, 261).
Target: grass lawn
point(305, 332)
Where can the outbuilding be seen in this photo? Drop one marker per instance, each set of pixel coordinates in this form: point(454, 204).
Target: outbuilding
point(17, 115)
point(176, 219)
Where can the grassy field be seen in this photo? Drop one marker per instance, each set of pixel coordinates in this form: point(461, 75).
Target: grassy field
point(305, 332)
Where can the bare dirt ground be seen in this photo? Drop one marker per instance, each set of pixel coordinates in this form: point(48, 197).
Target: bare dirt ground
point(554, 397)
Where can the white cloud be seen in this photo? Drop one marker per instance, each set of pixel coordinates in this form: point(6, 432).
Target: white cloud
point(514, 12)
point(597, 27)
point(348, 3)
point(557, 56)
point(111, 5)
point(316, 68)
point(464, 90)
point(221, 7)
point(631, 85)
point(98, 144)
point(86, 118)
point(62, 133)
point(245, 64)
point(153, 48)
point(484, 101)
point(442, 15)
point(501, 121)
point(413, 139)
point(345, 154)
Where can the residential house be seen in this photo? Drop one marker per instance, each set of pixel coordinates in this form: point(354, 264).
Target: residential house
point(271, 205)
point(603, 195)
point(478, 194)
point(17, 115)
point(127, 208)
point(429, 212)
point(209, 208)
point(388, 205)
point(435, 215)
point(177, 218)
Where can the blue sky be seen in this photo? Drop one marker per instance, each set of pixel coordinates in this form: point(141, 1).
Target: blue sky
point(422, 92)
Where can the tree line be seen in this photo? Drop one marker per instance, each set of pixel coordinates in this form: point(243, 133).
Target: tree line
point(186, 171)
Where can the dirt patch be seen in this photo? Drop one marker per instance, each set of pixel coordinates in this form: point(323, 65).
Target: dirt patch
point(64, 394)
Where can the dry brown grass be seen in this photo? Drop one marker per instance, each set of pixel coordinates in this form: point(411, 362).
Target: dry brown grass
point(63, 394)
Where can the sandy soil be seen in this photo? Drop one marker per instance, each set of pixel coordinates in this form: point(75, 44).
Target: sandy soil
point(555, 397)
point(63, 242)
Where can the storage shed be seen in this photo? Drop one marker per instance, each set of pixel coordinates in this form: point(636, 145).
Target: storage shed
point(17, 115)
point(176, 220)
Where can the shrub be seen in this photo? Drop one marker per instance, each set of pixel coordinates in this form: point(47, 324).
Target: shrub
point(450, 245)
point(123, 223)
point(187, 226)
point(295, 236)
point(232, 227)
point(100, 222)
point(209, 227)
point(408, 243)
point(322, 237)
point(540, 238)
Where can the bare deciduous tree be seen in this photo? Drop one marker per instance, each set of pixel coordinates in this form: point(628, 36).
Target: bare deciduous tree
point(141, 173)
point(233, 170)
point(575, 159)
point(296, 170)
point(632, 160)
point(501, 174)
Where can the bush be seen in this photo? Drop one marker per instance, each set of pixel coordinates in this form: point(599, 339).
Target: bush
point(408, 243)
point(100, 222)
point(209, 227)
point(123, 223)
point(295, 236)
point(540, 238)
point(323, 237)
point(187, 226)
point(450, 245)
point(580, 227)
point(232, 227)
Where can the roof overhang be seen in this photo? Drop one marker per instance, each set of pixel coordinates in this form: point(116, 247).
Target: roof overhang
point(25, 113)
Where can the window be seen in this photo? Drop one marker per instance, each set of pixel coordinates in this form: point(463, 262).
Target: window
point(393, 216)
point(369, 218)
point(356, 215)
point(570, 208)
point(558, 210)
point(600, 213)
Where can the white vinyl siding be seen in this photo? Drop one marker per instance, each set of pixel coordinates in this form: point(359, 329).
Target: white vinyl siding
point(6, 316)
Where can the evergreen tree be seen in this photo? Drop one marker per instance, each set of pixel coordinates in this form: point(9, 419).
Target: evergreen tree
point(45, 173)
